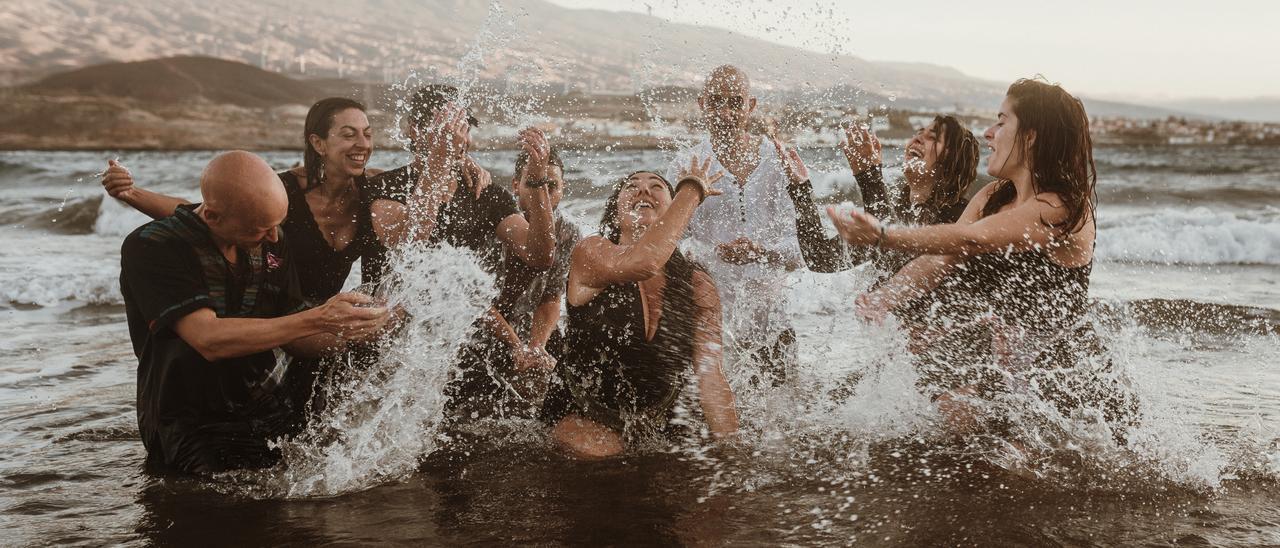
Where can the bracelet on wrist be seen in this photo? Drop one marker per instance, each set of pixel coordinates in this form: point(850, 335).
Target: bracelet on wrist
point(699, 185)
point(884, 233)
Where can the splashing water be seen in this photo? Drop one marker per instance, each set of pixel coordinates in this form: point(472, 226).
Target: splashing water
point(389, 416)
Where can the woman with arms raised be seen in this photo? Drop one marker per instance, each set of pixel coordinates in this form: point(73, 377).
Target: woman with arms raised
point(642, 320)
point(940, 163)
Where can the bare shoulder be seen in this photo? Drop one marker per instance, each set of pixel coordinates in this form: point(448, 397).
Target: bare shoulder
point(1050, 199)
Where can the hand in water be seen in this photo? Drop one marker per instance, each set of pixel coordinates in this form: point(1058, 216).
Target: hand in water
point(530, 359)
point(797, 172)
point(856, 227)
point(742, 251)
point(871, 308)
point(697, 171)
point(353, 316)
point(117, 180)
point(861, 148)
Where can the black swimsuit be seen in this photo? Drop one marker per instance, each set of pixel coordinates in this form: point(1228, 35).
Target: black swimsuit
point(322, 269)
point(610, 373)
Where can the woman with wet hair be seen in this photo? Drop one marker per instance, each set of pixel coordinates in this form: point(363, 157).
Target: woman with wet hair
point(1015, 267)
point(643, 323)
point(328, 225)
point(940, 163)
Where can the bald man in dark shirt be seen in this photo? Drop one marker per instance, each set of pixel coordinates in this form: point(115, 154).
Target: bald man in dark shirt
point(210, 292)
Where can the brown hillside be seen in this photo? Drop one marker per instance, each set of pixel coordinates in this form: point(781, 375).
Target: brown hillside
point(182, 80)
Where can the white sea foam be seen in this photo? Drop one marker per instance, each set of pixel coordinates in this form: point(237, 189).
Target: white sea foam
point(1192, 236)
point(115, 218)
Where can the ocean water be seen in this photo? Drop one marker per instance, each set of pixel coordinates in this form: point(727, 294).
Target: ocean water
point(1186, 293)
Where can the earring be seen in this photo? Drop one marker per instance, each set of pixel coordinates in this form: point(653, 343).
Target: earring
point(321, 174)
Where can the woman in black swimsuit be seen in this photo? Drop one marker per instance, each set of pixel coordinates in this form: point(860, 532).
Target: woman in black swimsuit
point(1016, 265)
point(643, 322)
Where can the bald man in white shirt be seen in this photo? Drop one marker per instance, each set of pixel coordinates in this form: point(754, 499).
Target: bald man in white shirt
point(746, 237)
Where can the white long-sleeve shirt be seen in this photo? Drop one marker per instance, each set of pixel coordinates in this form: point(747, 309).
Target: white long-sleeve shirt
point(754, 296)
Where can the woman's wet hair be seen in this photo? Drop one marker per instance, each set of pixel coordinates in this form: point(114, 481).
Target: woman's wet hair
point(957, 166)
point(1060, 159)
point(609, 227)
point(320, 122)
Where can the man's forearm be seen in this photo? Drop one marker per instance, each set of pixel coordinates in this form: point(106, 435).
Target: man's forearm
point(152, 204)
point(222, 338)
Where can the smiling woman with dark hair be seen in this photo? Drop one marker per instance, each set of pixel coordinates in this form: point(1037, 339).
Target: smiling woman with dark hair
point(940, 163)
point(1015, 268)
point(643, 322)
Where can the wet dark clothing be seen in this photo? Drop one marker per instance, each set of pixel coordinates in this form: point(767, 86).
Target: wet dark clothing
point(324, 269)
point(485, 366)
point(824, 253)
point(1034, 309)
point(195, 415)
point(464, 221)
point(610, 373)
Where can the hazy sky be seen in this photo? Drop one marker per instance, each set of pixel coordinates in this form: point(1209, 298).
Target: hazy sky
point(1126, 49)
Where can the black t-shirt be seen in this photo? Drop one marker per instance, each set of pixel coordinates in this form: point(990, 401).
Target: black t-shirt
point(323, 269)
point(170, 268)
point(464, 221)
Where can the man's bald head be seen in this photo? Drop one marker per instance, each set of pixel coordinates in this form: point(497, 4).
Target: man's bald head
point(727, 78)
point(726, 101)
point(243, 198)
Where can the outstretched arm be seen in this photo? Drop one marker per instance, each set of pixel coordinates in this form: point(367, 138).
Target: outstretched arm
point(309, 333)
point(1023, 227)
point(119, 184)
point(714, 394)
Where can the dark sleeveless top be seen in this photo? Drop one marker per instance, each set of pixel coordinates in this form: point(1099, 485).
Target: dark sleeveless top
point(321, 269)
point(1025, 289)
point(610, 373)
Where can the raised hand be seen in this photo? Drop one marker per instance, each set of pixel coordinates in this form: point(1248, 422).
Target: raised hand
point(697, 173)
point(861, 148)
point(796, 171)
point(856, 227)
point(117, 180)
point(535, 144)
point(447, 138)
point(477, 177)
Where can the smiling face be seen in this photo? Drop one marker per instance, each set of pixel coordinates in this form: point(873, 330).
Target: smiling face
point(920, 158)
point(347, 146)
point(726, 101)
point(1007, 152)
point(641, 202)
